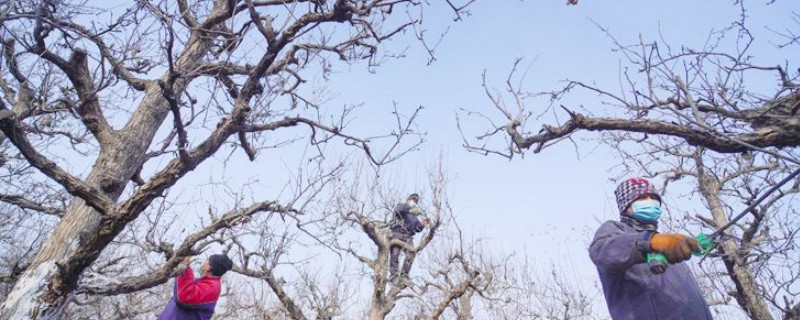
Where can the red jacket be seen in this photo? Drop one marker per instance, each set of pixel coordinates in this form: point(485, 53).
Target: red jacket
point(203, 290)
point(193, 299)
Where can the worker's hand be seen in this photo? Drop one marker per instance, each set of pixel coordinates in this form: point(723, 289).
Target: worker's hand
point(676, 247)
point(181, 268)
point(426, 222)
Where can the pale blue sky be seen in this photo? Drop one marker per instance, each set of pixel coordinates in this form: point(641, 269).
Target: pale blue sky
point(552, 195)
point(547, 204)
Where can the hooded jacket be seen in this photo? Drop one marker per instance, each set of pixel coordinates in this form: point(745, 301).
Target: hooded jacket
point(192, 299)
point(632, 292)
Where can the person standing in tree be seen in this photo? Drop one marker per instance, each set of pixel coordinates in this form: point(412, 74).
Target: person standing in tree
point(404, 225)
point(195, 299)
point(619, 251)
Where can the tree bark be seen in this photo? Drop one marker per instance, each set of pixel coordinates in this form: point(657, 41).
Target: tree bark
point(747, 294)
point(465, 306)
point(44, 289)
point(382, 303)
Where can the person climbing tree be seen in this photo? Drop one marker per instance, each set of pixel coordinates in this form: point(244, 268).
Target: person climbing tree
point(404, 225)
point(196, 298)
point(619, 251)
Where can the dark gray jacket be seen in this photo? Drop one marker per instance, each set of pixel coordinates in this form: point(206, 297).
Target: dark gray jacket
point(404, 221)
point(631, 290)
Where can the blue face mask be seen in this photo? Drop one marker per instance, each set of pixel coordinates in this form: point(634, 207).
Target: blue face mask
point(646, 210)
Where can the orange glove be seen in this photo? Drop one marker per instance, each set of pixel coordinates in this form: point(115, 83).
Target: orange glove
point(676, 247)
point(426, 222)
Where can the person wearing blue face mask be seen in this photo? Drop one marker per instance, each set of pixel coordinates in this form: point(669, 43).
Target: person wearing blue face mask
point(619, 251)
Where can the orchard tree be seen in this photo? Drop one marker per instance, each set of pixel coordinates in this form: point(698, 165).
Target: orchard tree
point(702, 115)
point(104, 109)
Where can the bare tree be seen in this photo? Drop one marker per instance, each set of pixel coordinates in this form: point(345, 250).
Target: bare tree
point(297, 292)
point(758, 260)
point(88, 93)
point(757, 254)
point(248, 301)
point(370, 213)
point(519, 287)
point(20, 237)
point(452, 277)
point(284, 270)
point(701, 96)
point(689, 113)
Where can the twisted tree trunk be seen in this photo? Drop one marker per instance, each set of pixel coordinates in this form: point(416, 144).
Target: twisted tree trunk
point(42, 291)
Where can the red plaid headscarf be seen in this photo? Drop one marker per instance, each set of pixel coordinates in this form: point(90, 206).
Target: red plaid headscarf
point(630, 189)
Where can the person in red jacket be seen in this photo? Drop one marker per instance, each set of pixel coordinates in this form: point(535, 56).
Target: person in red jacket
point(196, 298)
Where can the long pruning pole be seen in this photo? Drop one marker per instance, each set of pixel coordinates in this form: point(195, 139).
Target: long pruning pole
point(755, 203)
point(658, 263)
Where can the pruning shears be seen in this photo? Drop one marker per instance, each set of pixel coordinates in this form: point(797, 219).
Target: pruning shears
point(657, 262)
point(417, 211)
